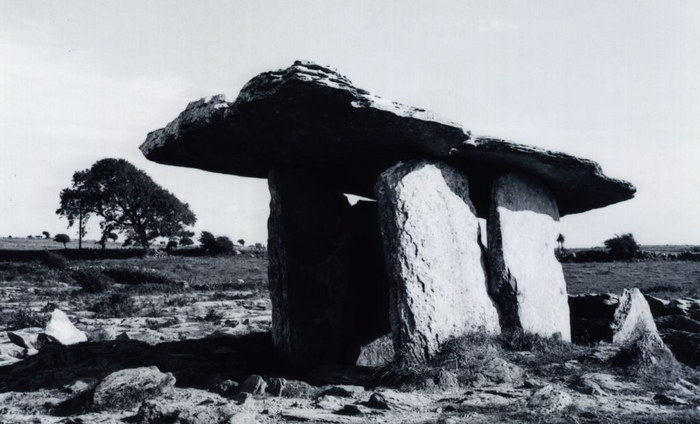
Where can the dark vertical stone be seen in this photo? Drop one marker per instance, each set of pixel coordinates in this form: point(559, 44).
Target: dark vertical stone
point(368, 274)
point(326, 298)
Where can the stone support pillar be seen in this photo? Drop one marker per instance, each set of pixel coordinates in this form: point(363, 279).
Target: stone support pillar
point(433, 254)
point(526, 280)
point(320, 313)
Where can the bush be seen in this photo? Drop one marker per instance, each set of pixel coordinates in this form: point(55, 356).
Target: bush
point(622, 246)
point(61, 238)
point(207, 239)
point(186, 241)
point(213, 316)
point(24, 317)
point(53, 260)
point(116, 305)
point(215, 245)
point(463, 356)
point(126, 275)
point(92, 280)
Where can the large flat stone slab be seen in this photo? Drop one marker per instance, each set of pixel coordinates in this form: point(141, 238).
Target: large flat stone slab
point(309, 116)
point(438, 287)
point(526, 279)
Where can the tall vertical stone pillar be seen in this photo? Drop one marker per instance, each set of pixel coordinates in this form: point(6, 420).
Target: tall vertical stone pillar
point(526, 280)
point(327, 282)
point(437, 280)
point(309, 269)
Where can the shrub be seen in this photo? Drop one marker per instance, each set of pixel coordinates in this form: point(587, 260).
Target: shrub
point(172, 244)
point(215, 245)
point(24, 317)
point(61, 238)
point(213, 316)
point(186, 241)
point(127, 275)
point(116, 305)
point(53, 260)
point(464, 356)
point(92, 280)
point(223, 245)
point(622, 246)
point(207, 239)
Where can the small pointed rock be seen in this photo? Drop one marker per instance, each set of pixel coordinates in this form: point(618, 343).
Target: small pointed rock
point(60, 330)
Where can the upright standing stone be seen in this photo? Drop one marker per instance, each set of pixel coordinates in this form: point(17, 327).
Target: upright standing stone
point(526, 280)
point(309, 269)
point(328, 282)
point(438, 286)
point(370, 284)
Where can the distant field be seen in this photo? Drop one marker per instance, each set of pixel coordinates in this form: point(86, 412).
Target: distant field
point(664, 248)
point(17, 243)
point(669, 279)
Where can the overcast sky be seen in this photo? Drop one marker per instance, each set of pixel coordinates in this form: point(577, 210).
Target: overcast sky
point(617, 82)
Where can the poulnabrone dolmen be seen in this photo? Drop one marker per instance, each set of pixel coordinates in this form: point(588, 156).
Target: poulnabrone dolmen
point(410, 265)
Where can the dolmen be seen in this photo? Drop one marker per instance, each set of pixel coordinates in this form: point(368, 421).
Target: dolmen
point(409, 260)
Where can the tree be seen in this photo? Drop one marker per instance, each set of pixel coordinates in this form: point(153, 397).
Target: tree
point(186, 241)
point(207, 239)
point(128, 201)
point(78, 203)
point(215, 245)
point(107, 234)
point(61, 238)
point(622, 246)
point(241, 242)
point(46, 234)
point(560, 240)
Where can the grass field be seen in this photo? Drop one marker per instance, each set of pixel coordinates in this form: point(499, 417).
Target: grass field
point(17, 243)
point(669, 279)
point(135, 287)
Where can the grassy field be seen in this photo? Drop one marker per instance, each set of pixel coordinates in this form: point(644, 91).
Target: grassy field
point(126, 287)
point(668, 279)
point(17, 243)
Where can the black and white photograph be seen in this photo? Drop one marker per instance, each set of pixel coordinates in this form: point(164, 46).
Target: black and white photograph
point(357, 211)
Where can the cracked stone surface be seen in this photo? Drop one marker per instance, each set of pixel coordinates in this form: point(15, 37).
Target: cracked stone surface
point(526, 279)
point(310, 116)
point(438, 285)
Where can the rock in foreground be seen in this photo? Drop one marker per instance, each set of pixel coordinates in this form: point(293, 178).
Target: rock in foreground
point(127, 388)
point(606, 317)
point(60, 330)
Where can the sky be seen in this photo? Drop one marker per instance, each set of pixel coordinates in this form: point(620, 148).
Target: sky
point(616, 82)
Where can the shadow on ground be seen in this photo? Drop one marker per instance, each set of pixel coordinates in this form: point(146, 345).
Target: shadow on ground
point(198, 363)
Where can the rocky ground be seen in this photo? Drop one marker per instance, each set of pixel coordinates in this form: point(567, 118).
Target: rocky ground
point(190, 344)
